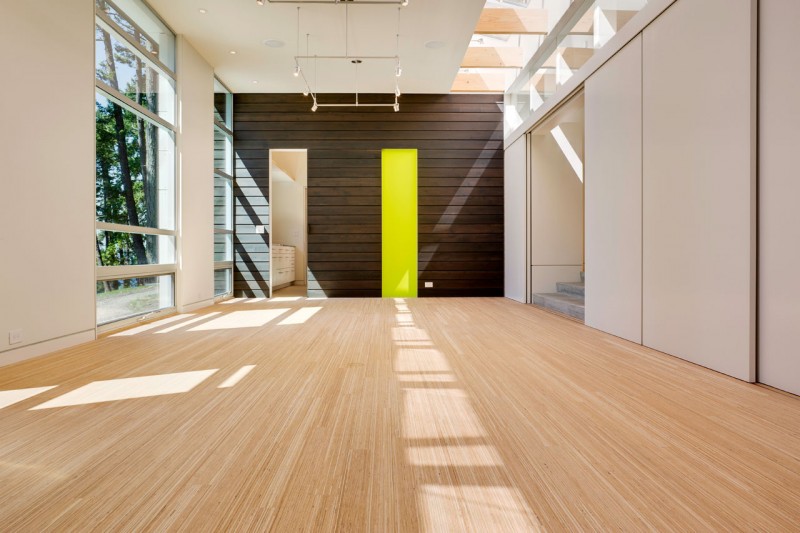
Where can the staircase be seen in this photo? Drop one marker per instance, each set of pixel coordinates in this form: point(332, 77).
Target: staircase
point(567, 301)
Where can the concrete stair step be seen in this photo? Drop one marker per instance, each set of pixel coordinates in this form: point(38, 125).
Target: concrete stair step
point(577, 288)
point(566, 304)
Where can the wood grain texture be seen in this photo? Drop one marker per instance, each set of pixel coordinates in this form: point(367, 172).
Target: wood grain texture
point(459, 139)
point(391, 415)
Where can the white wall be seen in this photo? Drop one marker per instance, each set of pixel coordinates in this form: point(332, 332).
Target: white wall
point(613, 97)
point(195, 286)
point(556, 191)
point(779, 193)
point(515, 238)
point(46, 176)
point(699, 182)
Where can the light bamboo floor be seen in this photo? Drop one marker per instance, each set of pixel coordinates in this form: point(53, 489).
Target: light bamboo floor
point(384, 415)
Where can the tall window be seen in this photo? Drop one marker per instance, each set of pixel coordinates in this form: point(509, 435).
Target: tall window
point(223, 190)
point(135, 161)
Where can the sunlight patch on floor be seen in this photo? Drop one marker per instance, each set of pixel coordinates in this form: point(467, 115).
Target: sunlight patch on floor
point(474, 508)
point(420, 360)
point(458, 455)
point(189, 322)
point(10, 397)
point(152, 325)
point(242, 319)
point(301, 316)
point(236, 377)
point(129, 388)
point(439, 414)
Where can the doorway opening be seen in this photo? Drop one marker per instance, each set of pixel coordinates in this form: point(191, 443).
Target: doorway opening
point(288, 214)
point(557, 210)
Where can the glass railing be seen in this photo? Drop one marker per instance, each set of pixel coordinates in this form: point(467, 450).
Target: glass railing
point(585, 28)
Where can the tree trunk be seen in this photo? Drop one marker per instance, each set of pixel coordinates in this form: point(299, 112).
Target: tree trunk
point(122, 150)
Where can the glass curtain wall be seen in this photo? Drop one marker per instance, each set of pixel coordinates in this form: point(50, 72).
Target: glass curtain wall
point(223, 190)
point(135, 161)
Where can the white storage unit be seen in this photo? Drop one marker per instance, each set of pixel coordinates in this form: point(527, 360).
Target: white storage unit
point(282, 266)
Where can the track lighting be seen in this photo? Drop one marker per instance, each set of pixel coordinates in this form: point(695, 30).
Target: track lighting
point(314, 107)
point(296, 71)
point(404, 3)
point(305, 92)
point(396, 107)
point(397, 91)
point(398, 71)
point(261, 2)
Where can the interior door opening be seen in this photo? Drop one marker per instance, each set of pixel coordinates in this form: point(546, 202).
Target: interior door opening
point(288, 226)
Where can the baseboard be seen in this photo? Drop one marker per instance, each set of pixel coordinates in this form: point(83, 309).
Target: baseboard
point(195, 306)
point(39, 349)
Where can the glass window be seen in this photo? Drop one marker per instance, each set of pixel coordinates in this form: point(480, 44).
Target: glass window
point(222, 281)
point(223, 247)
point(135, 160)
point(135, 165)
point(135, 19)
point(223, 201)
point(121, 67)
point(118, 299)
point(116, 248)
point(223, 104)
point(223, 151)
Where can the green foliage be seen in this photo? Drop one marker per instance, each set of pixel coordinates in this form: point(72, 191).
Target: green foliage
point(113, 178)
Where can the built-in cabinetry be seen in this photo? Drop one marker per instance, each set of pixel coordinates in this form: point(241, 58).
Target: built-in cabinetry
point(282, 266)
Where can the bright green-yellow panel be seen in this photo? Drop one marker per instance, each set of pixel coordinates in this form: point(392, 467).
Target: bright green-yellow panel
point(399, 219)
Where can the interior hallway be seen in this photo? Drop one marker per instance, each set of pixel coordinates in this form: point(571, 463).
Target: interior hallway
point(389, 415)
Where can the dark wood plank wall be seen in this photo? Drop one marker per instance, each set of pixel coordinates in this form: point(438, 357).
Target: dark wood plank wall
point(460, 143)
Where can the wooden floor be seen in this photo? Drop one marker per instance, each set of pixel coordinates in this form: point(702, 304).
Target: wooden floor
point(385, 415)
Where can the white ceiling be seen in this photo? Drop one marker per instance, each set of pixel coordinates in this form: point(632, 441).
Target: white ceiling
point(243, 26)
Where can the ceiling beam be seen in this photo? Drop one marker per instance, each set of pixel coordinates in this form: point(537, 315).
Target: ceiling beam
point(492, 57)
point(508, 21)
point(479, 83)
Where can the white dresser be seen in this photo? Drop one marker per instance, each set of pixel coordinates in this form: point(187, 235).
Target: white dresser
point(282, 266)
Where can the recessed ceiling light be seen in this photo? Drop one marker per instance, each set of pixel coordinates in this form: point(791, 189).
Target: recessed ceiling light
point(255, 81)
point(232, 52)
point(434, 45)
point(274, 43)
point(203, 11)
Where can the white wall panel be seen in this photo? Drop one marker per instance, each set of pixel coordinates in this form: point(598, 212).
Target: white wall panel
point(195, 286)
point(779, 193)
point(699, 183)
point(515, 193)
point(613, 97)
point(47, 177)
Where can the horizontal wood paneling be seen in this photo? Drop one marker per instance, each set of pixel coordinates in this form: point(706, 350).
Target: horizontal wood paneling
point(459, 139)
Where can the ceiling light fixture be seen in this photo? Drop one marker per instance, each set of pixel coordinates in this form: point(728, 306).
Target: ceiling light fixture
point(203, 11)
point(355, 60)
point(273, 43)
point(260, 2)
point(232, 52)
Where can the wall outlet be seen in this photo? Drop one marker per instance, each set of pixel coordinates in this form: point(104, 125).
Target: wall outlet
point(15, 336)
point(428, 284)
point(260, 229)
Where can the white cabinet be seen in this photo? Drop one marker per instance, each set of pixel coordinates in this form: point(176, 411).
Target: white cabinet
point(282, 265)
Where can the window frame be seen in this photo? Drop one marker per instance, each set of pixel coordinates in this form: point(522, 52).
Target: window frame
point(121, 272)
point(226, 129)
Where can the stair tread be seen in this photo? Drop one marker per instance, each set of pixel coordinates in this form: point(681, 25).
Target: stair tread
point(574, 288)
point(562, 297)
